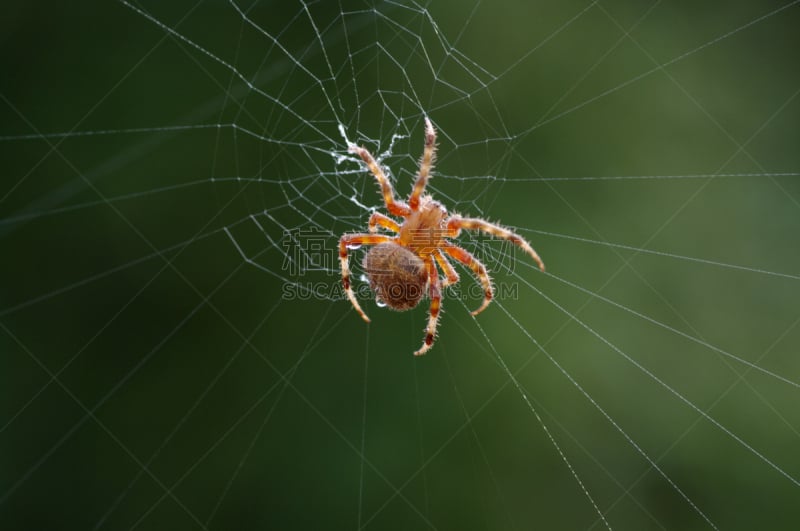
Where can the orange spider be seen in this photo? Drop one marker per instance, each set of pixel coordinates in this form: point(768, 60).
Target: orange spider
point(400, 268)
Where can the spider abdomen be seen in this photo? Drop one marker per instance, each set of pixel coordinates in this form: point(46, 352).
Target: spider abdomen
point(396, 275)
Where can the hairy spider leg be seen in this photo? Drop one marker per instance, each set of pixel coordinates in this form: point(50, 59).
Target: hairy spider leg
point(425, 165)
point(378, 219)
point(477, 267)
point(395, 207)
point(456, 223)
point(351, 240)
point(435, 294)
point(447, 267)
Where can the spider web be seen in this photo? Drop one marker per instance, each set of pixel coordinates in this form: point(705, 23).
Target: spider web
point(177, 351)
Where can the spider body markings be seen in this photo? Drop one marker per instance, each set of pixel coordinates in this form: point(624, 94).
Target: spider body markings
point(403, 267)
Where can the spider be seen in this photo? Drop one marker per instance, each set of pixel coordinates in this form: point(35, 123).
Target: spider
point(402, 267)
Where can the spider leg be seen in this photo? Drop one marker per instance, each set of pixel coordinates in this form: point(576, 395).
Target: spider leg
point(425, 165)
point(378, 219)
point(395, 207)
point(456, 223)
point(447, 267)
point(349, 240)
point(435, 294)
point(477, 267)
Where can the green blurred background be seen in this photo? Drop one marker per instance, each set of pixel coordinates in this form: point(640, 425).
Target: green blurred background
point(153, 378)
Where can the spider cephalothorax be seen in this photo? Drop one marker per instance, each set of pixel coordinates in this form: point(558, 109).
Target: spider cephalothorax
point(401, 268)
